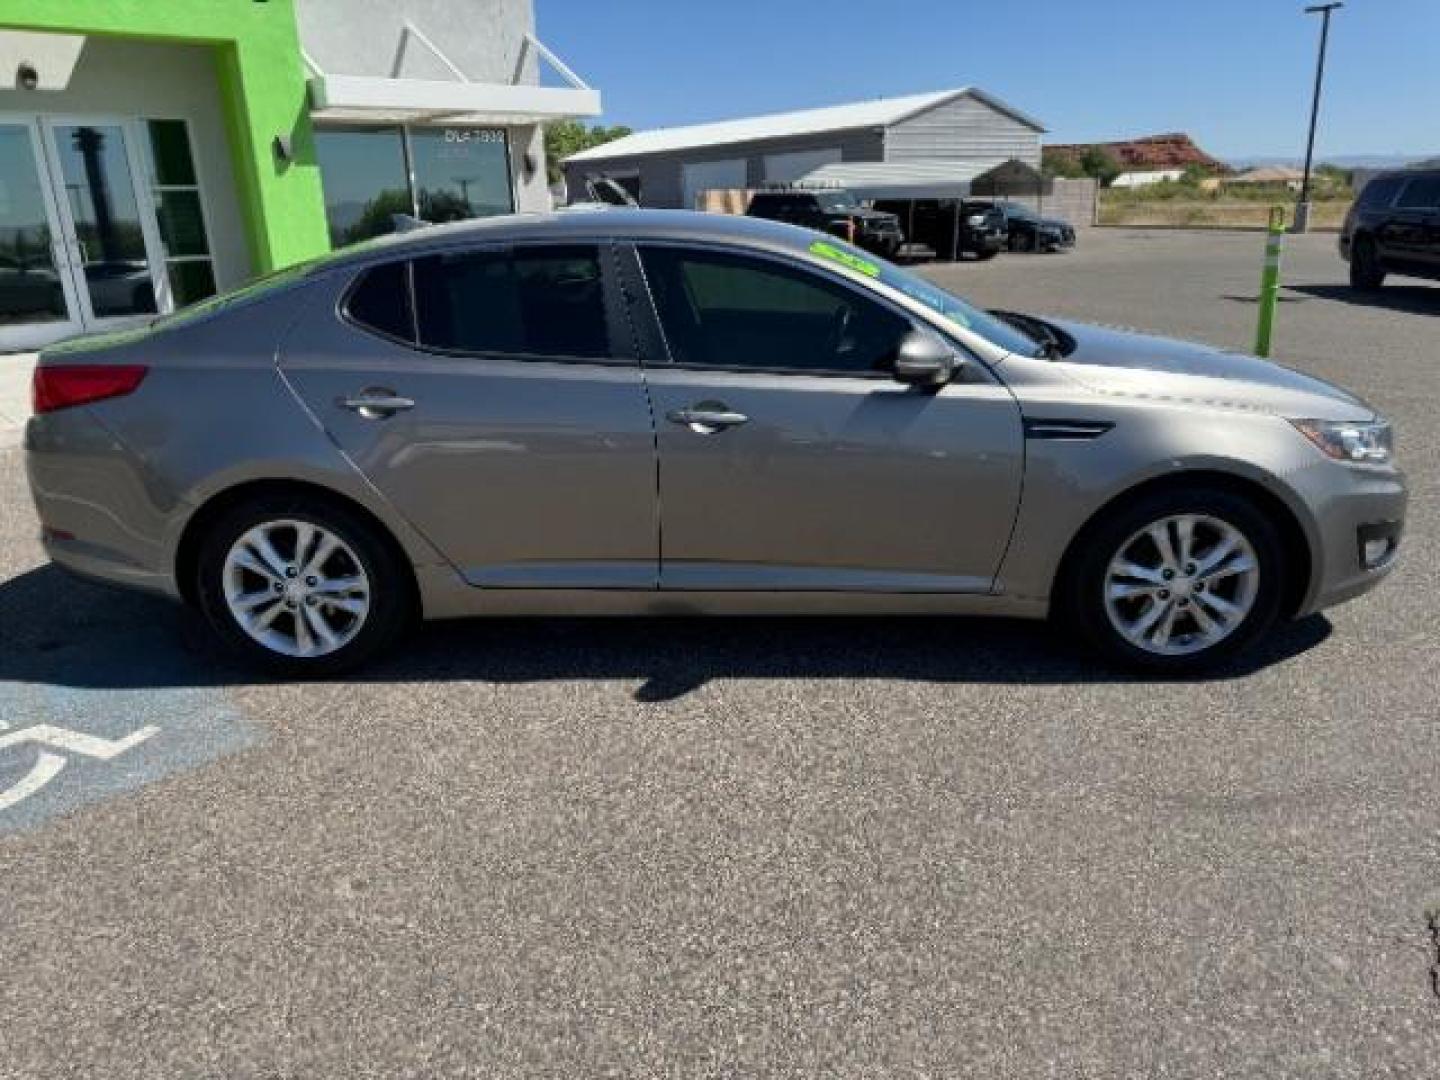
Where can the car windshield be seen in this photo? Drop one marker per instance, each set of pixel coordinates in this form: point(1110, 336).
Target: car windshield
point(952, 308)
point(1015, 210)
point(836, 202)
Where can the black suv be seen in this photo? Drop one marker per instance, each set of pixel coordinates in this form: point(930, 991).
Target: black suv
point(950, 227)
point(836, 212)
point(1394, 227)
point(1028, 231)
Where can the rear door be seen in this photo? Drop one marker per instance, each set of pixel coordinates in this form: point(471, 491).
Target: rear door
point(790, 459)
point(1421, 198)
point(501, 410)
point(1405, 240)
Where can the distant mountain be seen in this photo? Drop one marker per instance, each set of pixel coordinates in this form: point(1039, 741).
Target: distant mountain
point(1344, 161)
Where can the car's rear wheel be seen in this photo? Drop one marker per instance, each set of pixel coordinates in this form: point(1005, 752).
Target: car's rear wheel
point(301, 588)
point(1365, 270)
point(985, 254)
point(1177, 581)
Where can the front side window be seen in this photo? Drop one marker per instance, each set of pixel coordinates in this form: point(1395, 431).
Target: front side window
point(731, 311)
point(541, 301)
point(1421, 193)
point(1381, 191)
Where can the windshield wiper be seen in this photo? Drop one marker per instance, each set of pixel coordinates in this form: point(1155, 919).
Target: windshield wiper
point(1048, 342)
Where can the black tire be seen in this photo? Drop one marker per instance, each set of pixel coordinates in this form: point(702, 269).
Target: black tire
point(393, 604)
point(986, 255)
point(1080, 601)
point(1366, 272)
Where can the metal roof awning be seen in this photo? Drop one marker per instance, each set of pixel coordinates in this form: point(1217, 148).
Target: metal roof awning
point(897, 180)
point(392, 99)
point(917, 179)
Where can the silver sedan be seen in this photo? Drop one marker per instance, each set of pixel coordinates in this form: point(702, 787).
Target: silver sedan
point(637, 412)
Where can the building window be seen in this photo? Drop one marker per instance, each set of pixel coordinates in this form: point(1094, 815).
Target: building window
point(366, 181)
point(180, 215)
point(458, 173)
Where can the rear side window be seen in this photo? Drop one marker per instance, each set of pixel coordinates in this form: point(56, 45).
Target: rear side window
point(1421, 193)
point(1381, 191)
point(380, 301)
point(541, 301)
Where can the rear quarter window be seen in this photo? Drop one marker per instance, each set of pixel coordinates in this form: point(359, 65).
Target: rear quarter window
point(380, 302)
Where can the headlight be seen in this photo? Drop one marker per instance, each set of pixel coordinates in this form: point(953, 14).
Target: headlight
point(1368, 444)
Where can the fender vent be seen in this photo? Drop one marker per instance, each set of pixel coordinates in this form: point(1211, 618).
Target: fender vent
point(1066, 429)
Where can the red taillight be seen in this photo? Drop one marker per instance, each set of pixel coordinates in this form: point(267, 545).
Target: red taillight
point(63, 385)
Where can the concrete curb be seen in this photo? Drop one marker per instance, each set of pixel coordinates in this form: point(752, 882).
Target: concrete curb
point(15, 372)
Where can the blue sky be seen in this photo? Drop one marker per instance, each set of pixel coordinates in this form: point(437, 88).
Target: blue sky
point(1235, 74)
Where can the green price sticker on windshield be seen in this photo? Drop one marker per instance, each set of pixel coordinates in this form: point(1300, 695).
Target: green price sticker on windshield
point(844, 258)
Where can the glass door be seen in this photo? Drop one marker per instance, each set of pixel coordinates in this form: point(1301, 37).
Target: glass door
point(38, 303)
point(110, 236)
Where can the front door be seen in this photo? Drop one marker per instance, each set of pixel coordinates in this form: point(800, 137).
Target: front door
point(37, 294)
point(79, 244)
point(790, 459)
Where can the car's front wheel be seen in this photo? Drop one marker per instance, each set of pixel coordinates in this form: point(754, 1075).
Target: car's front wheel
point(1177, 581)
point(301, 588)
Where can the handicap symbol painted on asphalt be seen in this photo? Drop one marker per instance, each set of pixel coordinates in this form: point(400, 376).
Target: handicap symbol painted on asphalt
point(49, 765)
point(64, 747)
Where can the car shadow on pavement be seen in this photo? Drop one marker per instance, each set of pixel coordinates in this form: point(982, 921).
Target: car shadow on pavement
point(1410, 299)
point(58, 630)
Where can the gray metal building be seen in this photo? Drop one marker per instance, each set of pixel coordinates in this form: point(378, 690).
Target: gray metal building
point(669, 167)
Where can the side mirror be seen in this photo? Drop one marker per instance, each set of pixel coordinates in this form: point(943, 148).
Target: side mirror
point(925, 360)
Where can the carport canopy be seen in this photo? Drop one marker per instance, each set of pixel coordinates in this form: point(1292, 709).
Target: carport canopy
point(925, 179)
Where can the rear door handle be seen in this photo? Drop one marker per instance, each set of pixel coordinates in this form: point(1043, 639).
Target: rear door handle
point(707, 418)
point(377, 404)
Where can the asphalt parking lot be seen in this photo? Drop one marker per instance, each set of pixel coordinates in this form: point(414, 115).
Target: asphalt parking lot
point(752, 848)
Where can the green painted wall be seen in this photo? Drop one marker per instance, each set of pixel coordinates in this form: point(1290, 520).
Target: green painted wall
point(262, 82)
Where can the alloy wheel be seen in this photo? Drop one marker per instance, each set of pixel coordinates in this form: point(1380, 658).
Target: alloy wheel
point(296, 588)
point(1182, 584)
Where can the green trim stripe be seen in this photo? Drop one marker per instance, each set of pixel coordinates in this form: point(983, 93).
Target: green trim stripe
point(263, 87)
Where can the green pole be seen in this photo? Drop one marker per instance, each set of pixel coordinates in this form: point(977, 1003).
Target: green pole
point(1270, 281)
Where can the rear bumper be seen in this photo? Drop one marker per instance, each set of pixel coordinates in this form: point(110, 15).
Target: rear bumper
point(100, 509)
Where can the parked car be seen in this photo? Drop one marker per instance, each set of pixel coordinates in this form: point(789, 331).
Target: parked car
point(506, 417)
point(1028, 231)
point(1394, 228)
point(951, 228)
point(835, 211)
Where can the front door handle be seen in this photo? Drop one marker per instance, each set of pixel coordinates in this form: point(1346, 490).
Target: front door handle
point(377, 404)
point(707, 418)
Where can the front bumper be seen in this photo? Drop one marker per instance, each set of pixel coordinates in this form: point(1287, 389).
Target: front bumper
point(1354, 509)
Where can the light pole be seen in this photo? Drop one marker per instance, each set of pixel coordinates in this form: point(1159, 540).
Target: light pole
point(1302, 208)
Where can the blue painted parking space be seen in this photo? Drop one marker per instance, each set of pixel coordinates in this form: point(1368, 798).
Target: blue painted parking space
point(62, 748)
